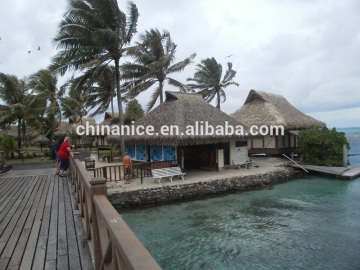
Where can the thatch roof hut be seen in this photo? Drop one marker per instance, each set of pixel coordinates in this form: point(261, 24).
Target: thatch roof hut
point(11, 131)
point(108, 117)
point(262, 108)
point(72, 124)
point(182, 110)
point(41, 139)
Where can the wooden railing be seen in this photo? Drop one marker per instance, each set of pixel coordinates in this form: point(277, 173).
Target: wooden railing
point(139, 170)
point(112, 243)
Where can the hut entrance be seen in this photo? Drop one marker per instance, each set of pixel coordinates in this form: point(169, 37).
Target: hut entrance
point(226, 148)
point(198, 157)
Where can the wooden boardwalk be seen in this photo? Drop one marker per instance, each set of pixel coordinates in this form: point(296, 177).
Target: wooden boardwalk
point(40, 225)
point(341, 172)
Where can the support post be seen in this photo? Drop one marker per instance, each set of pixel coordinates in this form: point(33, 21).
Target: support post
point(345, 156)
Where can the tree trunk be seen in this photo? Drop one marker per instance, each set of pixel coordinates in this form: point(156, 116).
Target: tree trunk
point(218, 100)
point(112, 107)
point(161, 92)
point(119, 99)
point(19, 137)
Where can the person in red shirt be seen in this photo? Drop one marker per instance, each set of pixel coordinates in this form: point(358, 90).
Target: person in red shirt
point(64, 154)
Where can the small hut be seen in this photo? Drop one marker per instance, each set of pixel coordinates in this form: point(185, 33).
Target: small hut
point(271, 110)
point(198, 150)
point(41, 140)
point(71, 125)
point(101, 140)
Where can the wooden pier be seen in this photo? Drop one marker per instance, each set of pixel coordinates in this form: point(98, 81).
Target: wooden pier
point(341, 172)
point(40, 225)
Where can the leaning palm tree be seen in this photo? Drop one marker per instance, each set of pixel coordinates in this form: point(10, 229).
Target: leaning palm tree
point(73, 106)
point(100, 95)
point(15, 94)
point(208, 82)
point(154, 59)
point(92, 34)
point(44, 84)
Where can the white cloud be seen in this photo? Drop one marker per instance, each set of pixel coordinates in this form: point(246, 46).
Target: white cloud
point(306, 50)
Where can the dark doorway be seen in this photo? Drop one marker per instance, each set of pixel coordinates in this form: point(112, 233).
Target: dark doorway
point(199, 157)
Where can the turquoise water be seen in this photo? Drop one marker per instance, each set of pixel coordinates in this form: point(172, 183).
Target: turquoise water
point(311, 223)
point(303, 224)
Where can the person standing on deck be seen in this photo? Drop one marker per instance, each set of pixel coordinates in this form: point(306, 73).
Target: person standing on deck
point(64, 154)
point(57, 145)
point(127, 168)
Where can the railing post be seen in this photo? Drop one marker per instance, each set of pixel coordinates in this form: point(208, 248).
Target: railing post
point(98, 187)
point(104, 172)
point(76, 155)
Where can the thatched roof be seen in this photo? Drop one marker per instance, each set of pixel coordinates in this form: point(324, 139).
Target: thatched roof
point(182, 110)
point(108, 117)
point(12, 131)
point(262, 108)
point(71, 125)
point(41, 139)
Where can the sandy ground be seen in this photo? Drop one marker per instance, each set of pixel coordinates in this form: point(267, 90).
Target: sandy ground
point(259, 166)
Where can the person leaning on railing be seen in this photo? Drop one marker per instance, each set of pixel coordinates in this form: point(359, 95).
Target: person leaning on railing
point(127, 163)
point(57, 145)
point(64, 155)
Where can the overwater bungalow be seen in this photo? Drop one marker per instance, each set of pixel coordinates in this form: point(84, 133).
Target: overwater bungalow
point(192, 144)
point(267, 109)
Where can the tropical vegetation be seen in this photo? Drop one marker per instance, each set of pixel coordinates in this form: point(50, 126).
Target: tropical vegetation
point(93, 34)
point(210, 82)
point(154, 58)
point(92, 39)
point(322, 147)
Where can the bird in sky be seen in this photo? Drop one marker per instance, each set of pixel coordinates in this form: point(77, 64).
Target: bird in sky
point(38, 48)
point(29, 52)
point(228, 56)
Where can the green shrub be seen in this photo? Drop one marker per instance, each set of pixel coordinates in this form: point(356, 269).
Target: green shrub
point(322, 147)
point(7, 144)
point(46, 153)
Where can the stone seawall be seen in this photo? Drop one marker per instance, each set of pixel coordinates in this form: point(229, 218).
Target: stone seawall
point(187, 191)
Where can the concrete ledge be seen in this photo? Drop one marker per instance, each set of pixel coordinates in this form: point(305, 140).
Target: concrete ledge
point(187, 191)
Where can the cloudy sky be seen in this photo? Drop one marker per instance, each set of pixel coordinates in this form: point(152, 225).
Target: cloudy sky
point(306, 50)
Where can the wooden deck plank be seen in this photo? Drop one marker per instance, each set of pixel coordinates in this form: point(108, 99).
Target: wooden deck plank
point(16, 226)
point(74, 259)
point(42, 226)
point(62, 240)
point(40, 253)
point(8, 187)
point(51, 251)
point(28, 257)
point(11, 200)
point(17, 220)
point(25, 233)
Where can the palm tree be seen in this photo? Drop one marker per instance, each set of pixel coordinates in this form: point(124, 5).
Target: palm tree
point(44, 84)
point(101, 93)
point(208, 80)
point(15, 94)
point(92, 34)
point(73, 106)
point(154, 57)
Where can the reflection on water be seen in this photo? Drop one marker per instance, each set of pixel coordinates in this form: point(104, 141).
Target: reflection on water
point(303, 224)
